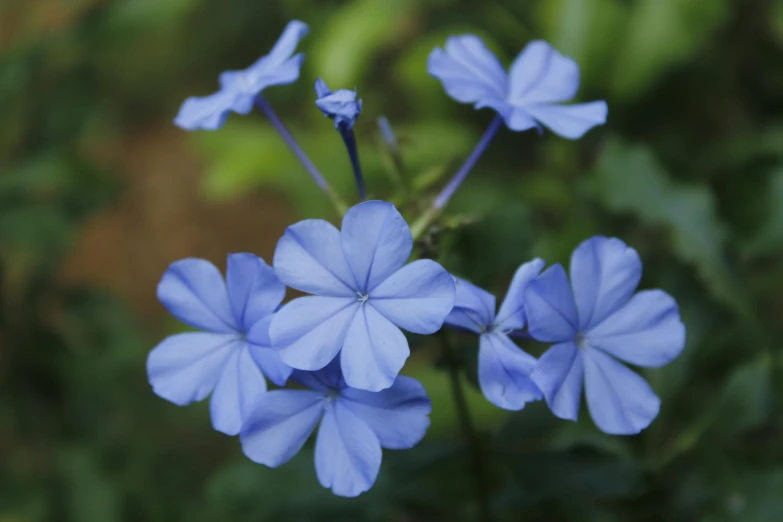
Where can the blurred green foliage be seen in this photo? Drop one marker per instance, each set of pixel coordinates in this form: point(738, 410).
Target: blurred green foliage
point(689, 171)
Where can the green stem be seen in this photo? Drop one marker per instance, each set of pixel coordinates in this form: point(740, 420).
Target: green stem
point(468, 429)
point(421, 225)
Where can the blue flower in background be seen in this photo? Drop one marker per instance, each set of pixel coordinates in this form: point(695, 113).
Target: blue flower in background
point(187, 367)
point(341, 105)
point(364, 294)
point(238, 89)
point(503, 368)
point(539, 80)
point(595, 321)
point(355, 425)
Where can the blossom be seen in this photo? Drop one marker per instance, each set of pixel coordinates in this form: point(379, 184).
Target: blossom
point(539, 80)
point(341, 105)
point(239, 89)
point(503, 369)
point(355, 425)
point(219, 360)
point(363, 294)
point(595, 321)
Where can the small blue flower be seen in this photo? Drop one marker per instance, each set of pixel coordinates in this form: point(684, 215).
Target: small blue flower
point(539, 80)
point(595, 321)
point(341, 105)
point(355, 425)
point(503, 369)
point(364, 294)
point(238, 89)
point(219, 360)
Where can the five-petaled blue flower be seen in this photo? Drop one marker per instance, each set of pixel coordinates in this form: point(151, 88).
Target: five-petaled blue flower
point(539, 80)
point(239, 89)
point(188, 366)
point(503, 369)
point(355, 425)
point(595, 321)
point(364, 293)
point(341, 105)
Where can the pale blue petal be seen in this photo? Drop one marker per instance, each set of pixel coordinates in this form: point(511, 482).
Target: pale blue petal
point(570, 121)
point(504, 373)
point(511, 315)
point(278, 67)
point(240, 384)
point(398, 415)
point(194, 292)
point(469, 71)
point(309, 331)
point(516, 118)
point(647, 331)
point(559, 374)
point(417, 297)
point(376, 241)
point(604, 275)
point(309, 257)
point(286, 44)
point(549, 305)
point(267, 358)
point(474, 308)
point(374, 351)
point(248, 83)
point(279, 424)
point(186, 367)
point(540, 74)
point(619, 400)
point(283, 74)
point(254, 290)
point(347, 452)
point(342, 106)
point(328, 380)
point(321, 89)
point(259, 333)
point(205, 112)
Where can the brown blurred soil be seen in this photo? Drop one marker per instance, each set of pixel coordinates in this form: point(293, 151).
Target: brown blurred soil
point(162, 216)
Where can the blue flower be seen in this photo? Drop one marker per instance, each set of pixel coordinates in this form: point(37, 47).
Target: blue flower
point(355, 425)
point(239, 89)
point(595, 321)
point(341, 105)
point(539, 80)
point(363, 295)
point(503, 369)
point(219, 359)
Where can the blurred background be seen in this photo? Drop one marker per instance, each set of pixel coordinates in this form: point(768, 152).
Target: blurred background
point(99, 192)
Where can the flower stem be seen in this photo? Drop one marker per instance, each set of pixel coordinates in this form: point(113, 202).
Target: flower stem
point(264, 106)
point(350, 143)
point(468, 429)
point(421, 225)
point(464, 170)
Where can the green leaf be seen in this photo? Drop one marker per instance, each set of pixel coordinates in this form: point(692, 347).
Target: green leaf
point(585, 30)
point(91, 496)
point(352, 36)
point(660, 34)
point(745, 402)
point(754, 497)
point(629, 179)
point(580, 471)
point(770, 237)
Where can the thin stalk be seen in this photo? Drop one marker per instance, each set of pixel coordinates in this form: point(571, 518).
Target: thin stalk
point(424, 221)
point(350, 143)
point(289, 140)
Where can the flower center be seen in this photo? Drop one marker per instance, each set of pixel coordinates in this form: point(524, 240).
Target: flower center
point(362, 298)
point(580, 340)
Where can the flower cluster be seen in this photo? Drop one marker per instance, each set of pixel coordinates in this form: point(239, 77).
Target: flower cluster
point(336, 353)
